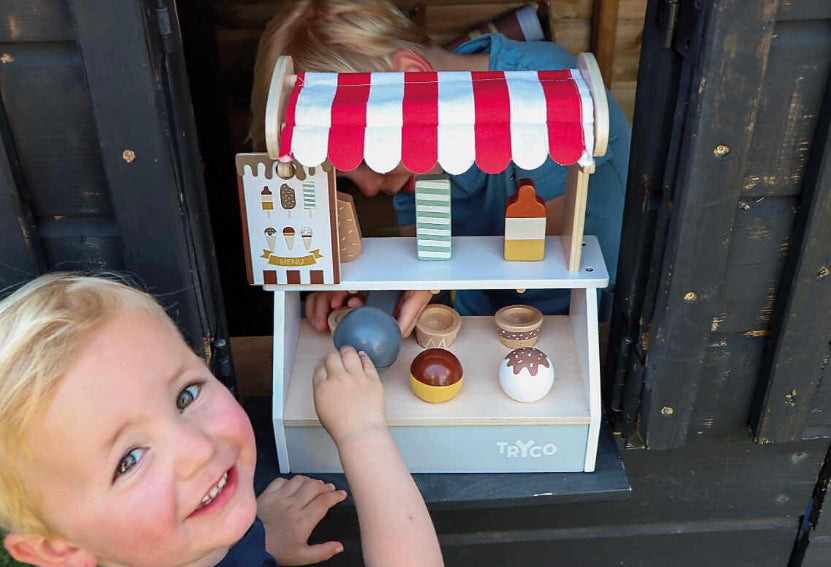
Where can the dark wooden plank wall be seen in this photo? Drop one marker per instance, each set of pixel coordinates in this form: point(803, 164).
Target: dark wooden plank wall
point(98, 162)
point(728, 238)
point(800, 341)
point(50, 142)
point(767, 301)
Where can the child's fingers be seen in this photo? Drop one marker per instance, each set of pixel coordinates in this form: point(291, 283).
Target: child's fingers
point(318, 553)
point(311, 489)
point(320, 373)
point(275, 485)
point(351, 360)
point(334, 362)
point(368, 366)
point(317, 310)
point(329, 366)
point(355, 301)
point(318, 506)
point(293, 486)
point(337, 299)
point(409, 308)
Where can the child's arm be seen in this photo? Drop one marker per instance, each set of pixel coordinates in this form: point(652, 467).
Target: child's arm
point(290, 509)
point(396, 528)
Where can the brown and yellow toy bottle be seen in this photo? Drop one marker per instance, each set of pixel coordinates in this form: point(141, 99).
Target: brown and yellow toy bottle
point(525, 224)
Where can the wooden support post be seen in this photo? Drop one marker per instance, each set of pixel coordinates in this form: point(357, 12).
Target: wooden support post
point(574, 214)
point(604, 34)
point(282, 81)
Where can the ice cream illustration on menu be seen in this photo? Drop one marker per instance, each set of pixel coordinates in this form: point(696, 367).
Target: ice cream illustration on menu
point(271, 237)
point(287, 198)
point(309, 197)
point(288, 236)
point(267, 201)
point(291, 220)
point(306, 235)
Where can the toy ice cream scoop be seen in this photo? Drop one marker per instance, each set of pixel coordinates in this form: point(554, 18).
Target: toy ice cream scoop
point(287, 198)
point(436, 375)
point(526, 374)
point(371, 330)
point(271, 237)
point(288, 236)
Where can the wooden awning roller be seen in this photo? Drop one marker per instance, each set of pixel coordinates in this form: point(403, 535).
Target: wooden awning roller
point(450, 118)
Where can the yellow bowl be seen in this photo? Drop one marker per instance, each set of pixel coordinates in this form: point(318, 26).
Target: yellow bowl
point(435, 394)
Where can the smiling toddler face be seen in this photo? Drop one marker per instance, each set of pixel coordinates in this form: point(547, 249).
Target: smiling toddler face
point(142, 457)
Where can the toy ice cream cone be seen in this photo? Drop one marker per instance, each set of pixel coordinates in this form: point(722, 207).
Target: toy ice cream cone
point(306, 235)
point(288, 236)
point(271, 237)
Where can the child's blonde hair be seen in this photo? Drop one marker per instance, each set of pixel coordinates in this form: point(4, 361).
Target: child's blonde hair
point(43, 326)
point(339, 36)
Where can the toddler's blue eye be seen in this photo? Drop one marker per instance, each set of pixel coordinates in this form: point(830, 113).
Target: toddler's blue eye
point(187, 396)
point(128, 461)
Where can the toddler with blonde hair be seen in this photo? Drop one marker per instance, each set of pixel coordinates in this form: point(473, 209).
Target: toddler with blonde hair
point(120, 448)
point(375, 35)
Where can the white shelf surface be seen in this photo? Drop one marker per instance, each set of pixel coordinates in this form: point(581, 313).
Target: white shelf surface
point(480, 401)
point(477, 263)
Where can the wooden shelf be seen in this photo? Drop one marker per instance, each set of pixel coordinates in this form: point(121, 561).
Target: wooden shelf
point(481, 401)
point(477, 263)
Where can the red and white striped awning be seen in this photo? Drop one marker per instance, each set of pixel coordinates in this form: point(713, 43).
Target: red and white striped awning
point(452, 118)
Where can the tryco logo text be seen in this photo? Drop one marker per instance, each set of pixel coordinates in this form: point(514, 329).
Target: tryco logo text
point(525, 449)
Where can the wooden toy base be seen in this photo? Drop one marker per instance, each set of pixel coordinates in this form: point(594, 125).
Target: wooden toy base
point(481, 429)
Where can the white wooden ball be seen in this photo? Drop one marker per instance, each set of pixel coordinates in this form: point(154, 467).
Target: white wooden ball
point(526, 374)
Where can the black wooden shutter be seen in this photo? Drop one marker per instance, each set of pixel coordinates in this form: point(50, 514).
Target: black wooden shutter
point(723, 306)
point(99, 164)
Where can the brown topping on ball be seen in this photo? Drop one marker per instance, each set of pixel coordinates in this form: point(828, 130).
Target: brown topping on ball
point(527, 358)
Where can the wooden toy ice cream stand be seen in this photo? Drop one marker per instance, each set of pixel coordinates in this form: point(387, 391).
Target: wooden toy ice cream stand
point(302, 236)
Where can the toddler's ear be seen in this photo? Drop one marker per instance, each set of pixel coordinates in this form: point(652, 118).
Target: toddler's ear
point(407, 60)
point(45, 552)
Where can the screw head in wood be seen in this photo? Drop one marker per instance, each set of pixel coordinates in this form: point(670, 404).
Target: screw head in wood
point(721, 151)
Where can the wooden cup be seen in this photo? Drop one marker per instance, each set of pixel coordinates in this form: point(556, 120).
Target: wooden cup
point(519, 325)
point(437, 326)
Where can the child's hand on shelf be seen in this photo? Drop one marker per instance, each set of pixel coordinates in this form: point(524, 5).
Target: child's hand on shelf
point(320, 303)
point(290, 509)
point(348, 395)
point(409, 308)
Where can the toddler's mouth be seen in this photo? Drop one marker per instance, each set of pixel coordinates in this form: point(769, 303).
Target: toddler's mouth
point(215, 491)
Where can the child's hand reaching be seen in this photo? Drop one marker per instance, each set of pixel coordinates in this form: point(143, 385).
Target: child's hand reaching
point(320, 303)
point(290, 509)
point(349, 398)
point(395, 526)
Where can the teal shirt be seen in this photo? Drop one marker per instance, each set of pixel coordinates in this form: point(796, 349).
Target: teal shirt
point(478, 199)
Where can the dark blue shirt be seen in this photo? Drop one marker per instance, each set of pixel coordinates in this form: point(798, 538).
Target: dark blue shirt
point(250, 550)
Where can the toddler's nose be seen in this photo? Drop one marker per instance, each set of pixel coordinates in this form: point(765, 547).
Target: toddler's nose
point(194, 449)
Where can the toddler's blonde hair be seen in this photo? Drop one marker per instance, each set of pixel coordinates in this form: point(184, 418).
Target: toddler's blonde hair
point(339, 36)
point(43, 325)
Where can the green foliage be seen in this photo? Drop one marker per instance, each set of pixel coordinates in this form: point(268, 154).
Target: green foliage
point(6, 561)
